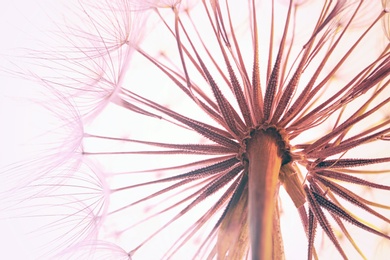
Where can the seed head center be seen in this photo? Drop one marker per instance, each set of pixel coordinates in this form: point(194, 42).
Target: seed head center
point(273, 132)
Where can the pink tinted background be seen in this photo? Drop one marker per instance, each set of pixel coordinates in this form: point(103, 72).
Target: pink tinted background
point(22, 121)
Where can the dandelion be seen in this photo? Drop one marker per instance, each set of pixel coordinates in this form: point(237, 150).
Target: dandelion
point(52, 189)
point(266, 94)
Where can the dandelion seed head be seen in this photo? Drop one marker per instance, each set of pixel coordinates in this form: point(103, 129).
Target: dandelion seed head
point(288, 102)
point(74, 206)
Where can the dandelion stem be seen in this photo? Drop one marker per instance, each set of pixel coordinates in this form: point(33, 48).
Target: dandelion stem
point(264, 166)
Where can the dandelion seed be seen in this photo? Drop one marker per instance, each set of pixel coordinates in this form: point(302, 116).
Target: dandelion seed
point(285, 104)
point(95, 250)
